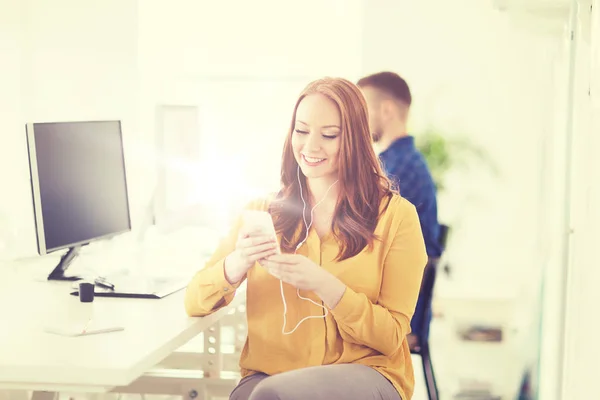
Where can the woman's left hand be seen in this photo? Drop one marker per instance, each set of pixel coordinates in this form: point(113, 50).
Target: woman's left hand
point(296, 270)
point(304, 274)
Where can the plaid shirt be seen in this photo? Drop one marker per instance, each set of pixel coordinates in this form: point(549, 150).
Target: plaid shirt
point(407, 169)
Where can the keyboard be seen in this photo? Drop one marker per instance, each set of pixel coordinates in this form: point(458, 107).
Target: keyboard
point(140, 288)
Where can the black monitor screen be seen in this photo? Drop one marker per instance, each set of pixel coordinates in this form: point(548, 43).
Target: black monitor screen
point(78, 181)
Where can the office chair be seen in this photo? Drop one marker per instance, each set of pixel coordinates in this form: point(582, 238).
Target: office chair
point(422, 347)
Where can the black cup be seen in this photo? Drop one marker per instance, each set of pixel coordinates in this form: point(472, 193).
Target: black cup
point(86, 292)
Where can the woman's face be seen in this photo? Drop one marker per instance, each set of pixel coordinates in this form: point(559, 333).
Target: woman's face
point(316, 137)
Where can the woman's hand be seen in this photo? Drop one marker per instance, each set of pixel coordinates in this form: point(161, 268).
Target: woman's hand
point(303, 274)
point(296, 270)
point(250, 248)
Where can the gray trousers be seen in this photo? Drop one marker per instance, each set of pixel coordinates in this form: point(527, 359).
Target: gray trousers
point(328, 382)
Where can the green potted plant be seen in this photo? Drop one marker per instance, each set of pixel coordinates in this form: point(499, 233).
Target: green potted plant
point(444, 153)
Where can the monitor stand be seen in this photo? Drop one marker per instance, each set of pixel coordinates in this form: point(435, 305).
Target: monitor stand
point(58, 273)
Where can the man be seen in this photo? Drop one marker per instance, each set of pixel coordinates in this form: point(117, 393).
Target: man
point(389, 99)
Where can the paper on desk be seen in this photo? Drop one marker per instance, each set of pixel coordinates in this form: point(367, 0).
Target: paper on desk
point(78, 329)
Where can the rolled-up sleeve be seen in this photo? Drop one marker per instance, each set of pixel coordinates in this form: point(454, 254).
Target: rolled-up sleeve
point(209, 290)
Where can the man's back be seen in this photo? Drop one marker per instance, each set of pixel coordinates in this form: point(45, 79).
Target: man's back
point(388, 98)
point(407, 169)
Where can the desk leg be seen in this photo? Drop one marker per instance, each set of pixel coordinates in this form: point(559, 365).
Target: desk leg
point(39, 395)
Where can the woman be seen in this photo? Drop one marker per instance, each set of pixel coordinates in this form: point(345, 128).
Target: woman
point(327, 315)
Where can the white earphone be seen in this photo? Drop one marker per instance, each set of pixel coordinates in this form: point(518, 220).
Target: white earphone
point(307, 225)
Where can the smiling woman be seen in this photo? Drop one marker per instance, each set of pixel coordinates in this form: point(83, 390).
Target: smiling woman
point(352, 258)
point(315, 142)
point(330, 141)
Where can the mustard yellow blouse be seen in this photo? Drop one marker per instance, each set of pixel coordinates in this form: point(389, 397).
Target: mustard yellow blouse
point(368, 326)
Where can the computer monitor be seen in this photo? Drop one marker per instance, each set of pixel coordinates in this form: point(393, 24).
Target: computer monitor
point(79, 186)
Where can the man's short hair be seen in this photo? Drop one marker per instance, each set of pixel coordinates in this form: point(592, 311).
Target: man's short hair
point(390, 83)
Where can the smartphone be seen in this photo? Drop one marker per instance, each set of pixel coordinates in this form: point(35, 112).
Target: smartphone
point(260, 222)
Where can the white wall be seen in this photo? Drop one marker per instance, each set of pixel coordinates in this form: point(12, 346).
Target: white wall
point(581, 350)
point(569, 354)
point(473, 73)
point(263, 38)
point(62, 60)
point(12, 131)
point(243, 64)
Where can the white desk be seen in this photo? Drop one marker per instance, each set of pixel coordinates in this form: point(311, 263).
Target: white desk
point(31, 359)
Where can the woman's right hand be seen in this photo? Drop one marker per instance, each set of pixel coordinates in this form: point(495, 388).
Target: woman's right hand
point(250, 248)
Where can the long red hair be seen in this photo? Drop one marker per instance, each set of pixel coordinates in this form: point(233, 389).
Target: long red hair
point(363, 184)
